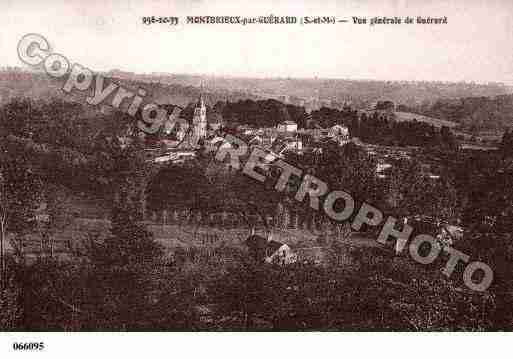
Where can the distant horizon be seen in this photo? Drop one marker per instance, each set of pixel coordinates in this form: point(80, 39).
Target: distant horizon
point(256, 77)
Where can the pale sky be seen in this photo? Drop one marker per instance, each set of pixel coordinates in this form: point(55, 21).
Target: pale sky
point(475, 45)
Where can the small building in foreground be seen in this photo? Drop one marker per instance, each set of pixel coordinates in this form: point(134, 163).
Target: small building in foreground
point(287, 126)
point(270, 251)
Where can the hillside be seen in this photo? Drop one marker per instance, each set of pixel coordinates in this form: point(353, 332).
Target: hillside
point(408, 116)
point(39, 86)
point(359, 92)
point(180, 89)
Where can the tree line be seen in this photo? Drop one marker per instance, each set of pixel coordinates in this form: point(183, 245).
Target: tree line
point(125, 279)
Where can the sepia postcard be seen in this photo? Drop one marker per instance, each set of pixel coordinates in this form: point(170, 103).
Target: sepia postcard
point(322, 169)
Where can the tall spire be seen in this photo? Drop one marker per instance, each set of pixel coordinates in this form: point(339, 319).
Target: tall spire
point(199, 119)
point(201, 102)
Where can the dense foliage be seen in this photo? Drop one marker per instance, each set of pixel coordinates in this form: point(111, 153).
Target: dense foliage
point(125, 280)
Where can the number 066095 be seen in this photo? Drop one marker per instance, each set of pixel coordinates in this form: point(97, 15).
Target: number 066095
point(28, 346)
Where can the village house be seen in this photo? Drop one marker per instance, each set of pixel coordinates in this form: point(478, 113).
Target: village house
point(255, 140)
point(175, 156)
point(216, 143)
point(294, 143)
point(246, 130)
point(287, 126)
point(338, 131)
point(270, 251)
point(279, 253)
point(382, 169)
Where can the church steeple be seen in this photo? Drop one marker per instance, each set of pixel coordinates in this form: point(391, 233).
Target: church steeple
point(201, 102)
point(200, 118)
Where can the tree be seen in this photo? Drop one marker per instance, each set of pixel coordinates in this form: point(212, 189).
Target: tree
point(17, 117)
point(349, 168)
point(488, 226)
point(10, 310)
point(122, 280)
point(447, 137)
point(507, 143)
point(58, 217)
point(20, 194)
point(129, 244)
point(129, 176)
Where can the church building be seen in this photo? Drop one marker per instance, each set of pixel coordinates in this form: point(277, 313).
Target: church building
point(199, 122)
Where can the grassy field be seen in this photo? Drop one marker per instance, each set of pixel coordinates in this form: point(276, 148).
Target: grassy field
point(176, 236)
point(408, 116)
